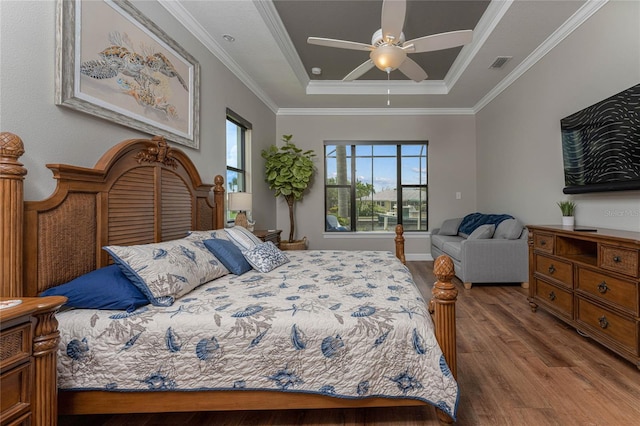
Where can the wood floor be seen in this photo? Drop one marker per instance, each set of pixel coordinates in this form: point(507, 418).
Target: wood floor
point(515, 367)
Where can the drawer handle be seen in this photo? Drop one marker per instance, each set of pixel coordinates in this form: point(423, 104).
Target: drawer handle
point(616, 259)
point(552, 296)
point(552, 269)
point(603, 322)
point(602, 287)
point(543, 242)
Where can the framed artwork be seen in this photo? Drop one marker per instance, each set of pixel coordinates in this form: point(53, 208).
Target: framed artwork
point(113, 62)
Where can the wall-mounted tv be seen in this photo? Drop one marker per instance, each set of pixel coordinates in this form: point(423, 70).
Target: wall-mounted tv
point(601, 145)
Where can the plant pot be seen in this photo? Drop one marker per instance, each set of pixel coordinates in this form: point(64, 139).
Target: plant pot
point(294, 245)
point(568, 221)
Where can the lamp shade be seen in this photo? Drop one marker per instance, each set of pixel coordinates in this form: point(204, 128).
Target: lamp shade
point(239, 201)
point(388, 57)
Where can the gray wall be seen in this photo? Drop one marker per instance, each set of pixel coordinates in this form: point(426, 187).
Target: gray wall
point(451, 169)
point(54, 134)
point(518, 134)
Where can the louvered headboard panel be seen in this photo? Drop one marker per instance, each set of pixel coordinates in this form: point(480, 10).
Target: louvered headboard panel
point(141, 191)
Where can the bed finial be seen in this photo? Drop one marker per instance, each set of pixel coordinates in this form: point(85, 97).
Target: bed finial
point(12, 174)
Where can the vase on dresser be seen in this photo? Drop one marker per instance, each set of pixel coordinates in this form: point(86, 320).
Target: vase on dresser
point(568, 221)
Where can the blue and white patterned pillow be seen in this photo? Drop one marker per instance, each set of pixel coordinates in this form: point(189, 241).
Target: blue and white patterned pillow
point(265, 257)
point(242, 237)
point(167, 270)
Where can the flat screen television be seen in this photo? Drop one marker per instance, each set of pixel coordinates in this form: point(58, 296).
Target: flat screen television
point(601, 145)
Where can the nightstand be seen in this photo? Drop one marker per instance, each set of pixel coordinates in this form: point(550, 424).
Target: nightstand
point(272, 235)
point(29, 336)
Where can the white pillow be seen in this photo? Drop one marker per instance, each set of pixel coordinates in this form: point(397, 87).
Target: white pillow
point(242, 237)
point(167, 270)
point(265, 257)
point(207, 235)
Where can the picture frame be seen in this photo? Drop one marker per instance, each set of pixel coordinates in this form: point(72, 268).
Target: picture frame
point(114, 63)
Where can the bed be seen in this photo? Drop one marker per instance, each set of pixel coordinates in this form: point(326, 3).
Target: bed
point(254, 345)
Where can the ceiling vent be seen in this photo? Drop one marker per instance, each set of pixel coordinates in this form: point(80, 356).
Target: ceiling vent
point(500, 61)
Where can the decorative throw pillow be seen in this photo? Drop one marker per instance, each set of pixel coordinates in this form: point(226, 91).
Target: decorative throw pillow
point(509, 229)
point(207, 235)
point(450, 226)
point(482, 232)
point(104, 288)
point(167, 270)
point(230, 255)
point(265, 257)
point(242, 237)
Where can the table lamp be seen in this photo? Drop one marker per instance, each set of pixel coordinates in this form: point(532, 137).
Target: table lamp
point(240, 202)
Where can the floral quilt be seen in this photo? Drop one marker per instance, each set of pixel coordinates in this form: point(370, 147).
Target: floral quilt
point(350, 324)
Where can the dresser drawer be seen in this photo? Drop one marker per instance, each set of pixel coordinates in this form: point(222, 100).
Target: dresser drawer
point(624, 261)
point(15, 345)
point(555, 297)
point(555, 269)
point(603, 321)
point(15, 392)
point(543, 242)
point(620, 292)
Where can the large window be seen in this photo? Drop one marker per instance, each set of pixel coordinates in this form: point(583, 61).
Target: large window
point(372, 186)
point(237, 147)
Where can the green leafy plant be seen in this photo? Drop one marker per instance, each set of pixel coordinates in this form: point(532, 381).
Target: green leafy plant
point(567, 207)
point(289, 171)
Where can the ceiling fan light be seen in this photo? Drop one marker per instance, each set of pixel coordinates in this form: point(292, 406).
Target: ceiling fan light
point(385, 57)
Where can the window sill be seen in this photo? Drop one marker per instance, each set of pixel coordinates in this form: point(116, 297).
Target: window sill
point(374, 235)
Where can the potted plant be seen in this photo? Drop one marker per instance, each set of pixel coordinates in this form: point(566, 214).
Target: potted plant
point(289, 171)
point(567, 208)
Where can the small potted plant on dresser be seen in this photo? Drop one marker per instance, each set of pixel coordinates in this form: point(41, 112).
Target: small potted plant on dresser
point(289, 171)
point(568, 208)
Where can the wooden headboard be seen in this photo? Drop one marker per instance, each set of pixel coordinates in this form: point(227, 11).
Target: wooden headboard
point(140, 191)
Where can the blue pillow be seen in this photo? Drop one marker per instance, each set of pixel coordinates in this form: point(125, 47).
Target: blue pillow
point(104, 288)
point(229, 254)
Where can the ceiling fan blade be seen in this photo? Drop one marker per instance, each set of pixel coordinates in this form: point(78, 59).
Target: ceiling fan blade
point(341, 44)
point(393, 13)
point(412, 70)
point(359, 71)
point(440, 41)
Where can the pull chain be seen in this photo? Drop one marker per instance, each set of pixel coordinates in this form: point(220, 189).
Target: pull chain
point(388, 88)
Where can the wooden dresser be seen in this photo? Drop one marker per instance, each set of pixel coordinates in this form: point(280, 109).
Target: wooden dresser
point(28, 352)
point(591, 280)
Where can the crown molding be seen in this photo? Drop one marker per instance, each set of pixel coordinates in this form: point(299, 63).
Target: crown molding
point(577, 19)
point(487, 23)
point(375, 111)
point(375, 87)
point(193, 26)
point(272, 20)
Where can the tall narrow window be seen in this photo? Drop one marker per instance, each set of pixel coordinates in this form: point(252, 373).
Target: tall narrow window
point(237, 147)
point(372, 186)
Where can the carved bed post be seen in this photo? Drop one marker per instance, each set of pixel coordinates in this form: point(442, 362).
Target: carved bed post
point(443, 308)
point(45, 354)
point(400, 244)
point(218, 199)
point(11, 214)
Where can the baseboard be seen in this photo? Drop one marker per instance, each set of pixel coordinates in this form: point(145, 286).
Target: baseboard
point(416, 257)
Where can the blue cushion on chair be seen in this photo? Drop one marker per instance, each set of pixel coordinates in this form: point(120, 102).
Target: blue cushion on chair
point(104, 288)
point(229, 254)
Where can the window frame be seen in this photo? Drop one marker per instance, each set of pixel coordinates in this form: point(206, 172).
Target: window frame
point(352, 185)
point(243, 170)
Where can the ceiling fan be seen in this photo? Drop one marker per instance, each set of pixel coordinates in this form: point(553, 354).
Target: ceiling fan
point(388, 46)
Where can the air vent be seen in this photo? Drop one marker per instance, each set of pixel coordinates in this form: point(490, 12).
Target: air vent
point(500, 61)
